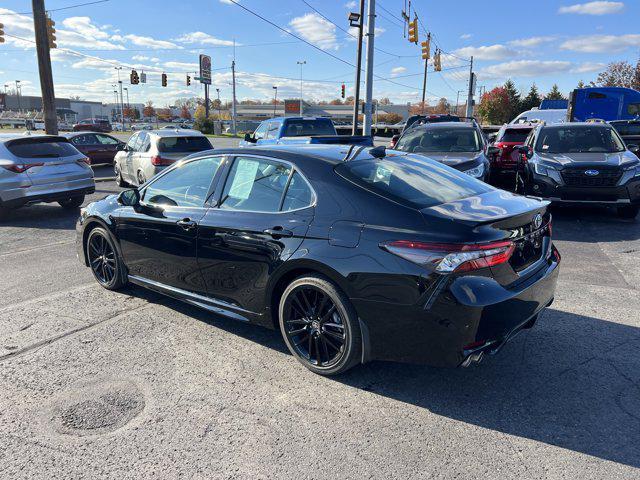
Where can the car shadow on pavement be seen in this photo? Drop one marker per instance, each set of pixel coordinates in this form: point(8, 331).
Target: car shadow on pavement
point(49, 216)
point(590, 225)
point(572, 381)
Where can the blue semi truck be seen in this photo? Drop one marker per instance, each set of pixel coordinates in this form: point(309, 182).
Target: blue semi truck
point(603, 103)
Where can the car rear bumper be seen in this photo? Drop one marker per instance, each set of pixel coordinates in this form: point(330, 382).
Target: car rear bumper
point(457, 319)
point(51, 192)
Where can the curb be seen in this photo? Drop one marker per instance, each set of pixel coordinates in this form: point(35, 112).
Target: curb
point(104, 179)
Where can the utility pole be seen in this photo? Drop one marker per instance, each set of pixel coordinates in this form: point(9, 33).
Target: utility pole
point(18, 95)
point(44, 67)
point(206, 101)
point(469, 112)
point(301, 63)
point(219, 116)
point(121, 98)
point(275, 100)
point(360, 25)
point(371, 24)
point(233, 100)
point(424, 84)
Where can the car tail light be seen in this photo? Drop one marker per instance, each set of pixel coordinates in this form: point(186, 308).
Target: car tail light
point(21, 167)
point(158, 161)
point(452, 257)
point(85, 160)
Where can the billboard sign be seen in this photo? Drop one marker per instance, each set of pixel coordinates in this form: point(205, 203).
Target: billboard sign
point(292, 107)
point(205, 69)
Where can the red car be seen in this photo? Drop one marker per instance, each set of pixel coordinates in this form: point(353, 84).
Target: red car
point(98, 147)
point(92, 125)
point(507, 138)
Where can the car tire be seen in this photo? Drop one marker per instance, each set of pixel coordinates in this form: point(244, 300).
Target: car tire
point(320, 326)
point(104, 261)
point(72, 203)
point(630, 211)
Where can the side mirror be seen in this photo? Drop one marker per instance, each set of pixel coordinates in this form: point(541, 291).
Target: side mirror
point(129, 198)
point(248, 137)
point(524, 150)
point(493, 151)
point(634, 148)
point(492, 137)
point(122, 147)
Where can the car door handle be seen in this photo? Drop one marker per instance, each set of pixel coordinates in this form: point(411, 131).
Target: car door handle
point(187, 224)
point(278, 232)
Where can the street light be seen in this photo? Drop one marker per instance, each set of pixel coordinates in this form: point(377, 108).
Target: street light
point(18, 95)
point(355, 20)
point(301, 63)
point(219, 105)
point(275, 100)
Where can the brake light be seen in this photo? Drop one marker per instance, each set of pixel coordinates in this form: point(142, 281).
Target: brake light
point(85, 160)
point(452, 257)
point(21, 167)
point(158, 161)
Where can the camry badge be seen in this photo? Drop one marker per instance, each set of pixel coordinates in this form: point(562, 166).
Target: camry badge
point(591, 173)
point(537, 221)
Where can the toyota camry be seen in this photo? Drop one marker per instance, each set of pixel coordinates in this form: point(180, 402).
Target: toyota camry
point(352, 253)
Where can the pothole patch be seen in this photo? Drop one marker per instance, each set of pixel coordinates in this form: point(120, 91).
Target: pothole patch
point(97, 408)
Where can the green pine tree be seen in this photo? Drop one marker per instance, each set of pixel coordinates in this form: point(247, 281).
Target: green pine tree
point(532, 100)
point(555, 93)
point(514, 99)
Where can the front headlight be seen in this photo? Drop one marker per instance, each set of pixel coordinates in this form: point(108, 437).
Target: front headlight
point(476, 172)
point(541, 169)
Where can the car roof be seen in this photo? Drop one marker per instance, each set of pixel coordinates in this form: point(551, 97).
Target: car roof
point(174, 132)
point(84, 132)
point(5, 137)
point(576, 124)
point(521, 126)
point(449, 125)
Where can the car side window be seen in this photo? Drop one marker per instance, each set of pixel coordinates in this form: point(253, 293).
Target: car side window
point(261, 131)
point(106, 140)
point(272, 130)
point(255, 185)
point(143, 143)
point(131, 143)
point(84, 140)
point(299, 194)
point(186, 185)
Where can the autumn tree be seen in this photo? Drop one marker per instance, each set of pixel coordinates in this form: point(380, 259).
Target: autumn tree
point(532, 100)
point(555, 93)
point(418, 108)
point(619, 74)
point(148, 110)
point(580, 84)
point(185, 113)
point(385, 101)
point(336, 101)
point(443, 106)
point(494, 106)
point(200, 113)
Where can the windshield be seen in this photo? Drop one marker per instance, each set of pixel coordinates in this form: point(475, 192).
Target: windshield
point(183, 144)
point(413, 181)
point(440, 140)
point(514, 135)
point(309, 127)
point(579, 139)
point(41, 148)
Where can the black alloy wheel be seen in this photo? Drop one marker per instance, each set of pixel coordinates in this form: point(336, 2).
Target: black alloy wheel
point(103, 259)
point(319, 326)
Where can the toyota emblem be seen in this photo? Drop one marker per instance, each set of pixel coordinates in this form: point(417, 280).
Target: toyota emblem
point(537, 221)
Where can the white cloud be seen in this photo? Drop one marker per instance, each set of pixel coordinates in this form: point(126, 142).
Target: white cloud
point(149, 42)
point(191, 67)
point(589, 67)
point(531, 41)
point(593, 8)
point(228, 2)
point(203, 39)
point(351, 5)
point(83, 26)
point(315, 29)
point(602, 43)
point(69, 38)
point(144, 58)
point(525, 68)
point(395, 71)
point(466, 36)
point(491, 52)
point(18, 25)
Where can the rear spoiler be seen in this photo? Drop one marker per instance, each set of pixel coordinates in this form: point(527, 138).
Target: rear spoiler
point(36, 139)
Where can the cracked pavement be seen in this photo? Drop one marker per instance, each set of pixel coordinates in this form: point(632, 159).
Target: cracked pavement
point(192, 395)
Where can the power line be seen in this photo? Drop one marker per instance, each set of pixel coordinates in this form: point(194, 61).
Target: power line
point(58, 9)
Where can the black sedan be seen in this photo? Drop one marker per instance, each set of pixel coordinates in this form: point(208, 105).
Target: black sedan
point(353, 253)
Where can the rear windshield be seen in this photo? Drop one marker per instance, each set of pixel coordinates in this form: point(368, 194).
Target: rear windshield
point(582, 139)
point(414, 181)
point(434, 140)
point(627, 128)
point(183, 144)
point(514, 135)
point(311, 127)
point(41, 148)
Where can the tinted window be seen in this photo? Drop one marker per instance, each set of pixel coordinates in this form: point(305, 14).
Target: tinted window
point(183, 144)
point(633, 109)
point(186, 185)
point(272, 130)
point(579, 140)
point(41, 148)
point(514, 135)
point(440, 140)
point(413, 181)
point(106, 140)
point(84, 140)
point(304, 128)
point(299, 194)
point(627, 128)
point(255, 185)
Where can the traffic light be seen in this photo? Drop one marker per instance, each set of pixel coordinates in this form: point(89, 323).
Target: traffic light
point(1, 32)
point(437, 62)
point(164, 79)
point(343, 89)
point(135, 79)
point(188, 81)
point(51, 33)
point(426, 48)
point(413, 31)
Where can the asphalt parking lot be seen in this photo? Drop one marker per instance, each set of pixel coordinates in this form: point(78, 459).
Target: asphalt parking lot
point(132, 384)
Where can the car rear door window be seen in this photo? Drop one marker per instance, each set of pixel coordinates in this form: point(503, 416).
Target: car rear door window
point(186, 185)
point(106, 140)
point(299, 194)
point(255, 185)
point(88, 139)
point(411, 180)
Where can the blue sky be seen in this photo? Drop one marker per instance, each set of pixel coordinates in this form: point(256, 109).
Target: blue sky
point(545, 41)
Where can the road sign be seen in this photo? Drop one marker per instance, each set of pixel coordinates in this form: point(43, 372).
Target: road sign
point(143, 77)
point(205, 69)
